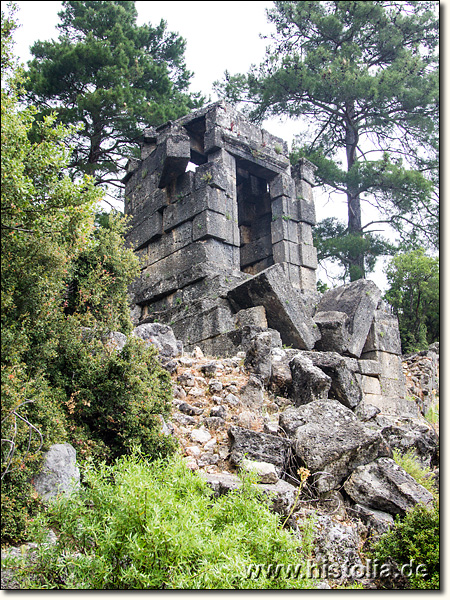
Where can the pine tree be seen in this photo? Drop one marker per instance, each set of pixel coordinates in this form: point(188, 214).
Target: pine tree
point(364, 76)
point(110, 77)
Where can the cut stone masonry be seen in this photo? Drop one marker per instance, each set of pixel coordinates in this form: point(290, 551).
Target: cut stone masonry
point(222, 224)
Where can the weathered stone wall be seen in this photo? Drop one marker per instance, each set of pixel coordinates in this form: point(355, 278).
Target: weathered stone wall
point(241, 211)
point(227, 256)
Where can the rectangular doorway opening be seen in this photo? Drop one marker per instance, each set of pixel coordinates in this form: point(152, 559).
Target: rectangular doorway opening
point(254, 220)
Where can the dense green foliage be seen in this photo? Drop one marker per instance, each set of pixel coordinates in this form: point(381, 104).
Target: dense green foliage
point(413, 279)
point(141, 525)
point(64, 281)
point(364, 76)
point(414, 538)
point(111, 77)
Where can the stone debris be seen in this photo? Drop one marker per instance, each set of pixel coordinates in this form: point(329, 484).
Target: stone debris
point(59, 472)
point(384, 485)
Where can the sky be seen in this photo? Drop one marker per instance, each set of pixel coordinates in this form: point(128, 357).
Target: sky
point(220, 36)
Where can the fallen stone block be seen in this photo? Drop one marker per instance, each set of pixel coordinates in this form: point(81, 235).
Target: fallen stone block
point(359, 301)
point(161, 336)
point(309, 383)
point(264, 471)
point(284, 309)
point(59, 473)
point(345, 381)
point(384, 334)
point(384, 485)
point(330, 441)
point(377, 520)
point(257, 446)
point(333, 326)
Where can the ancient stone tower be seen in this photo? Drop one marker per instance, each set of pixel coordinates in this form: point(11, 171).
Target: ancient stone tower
point(242, 210)
point(223, 227)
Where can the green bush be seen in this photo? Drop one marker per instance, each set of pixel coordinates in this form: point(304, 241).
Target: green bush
point(115, 398)
point(414, 538)
point(142, 525)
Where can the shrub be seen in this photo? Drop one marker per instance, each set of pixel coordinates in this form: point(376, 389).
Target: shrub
point(142, 525)
point(416, 539)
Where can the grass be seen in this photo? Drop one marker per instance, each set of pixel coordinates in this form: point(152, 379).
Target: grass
point(143, 525)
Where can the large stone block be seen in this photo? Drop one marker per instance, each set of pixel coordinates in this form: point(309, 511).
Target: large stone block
point(215, 175)
point(309, 383)
point(256, 250)
point(149, 229)
point(359, 300)
point(284, 229)
point(345, 380)
point(285, 312)
point(173, 241)
point(306, 211)
point(330, 441)
point(212, 224)
point(176, 153)
point(384, 485)
point(384, 334)
point(282, 185)
point(333, 326)
point(307, 256)
point(253, 445)
point(284, 207)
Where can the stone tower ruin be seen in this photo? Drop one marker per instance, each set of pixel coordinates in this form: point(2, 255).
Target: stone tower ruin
point(222, 224)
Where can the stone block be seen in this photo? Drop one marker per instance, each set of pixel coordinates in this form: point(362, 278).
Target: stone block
point(253, 445)
point(159, 335)
point(176, 153)
point(256, 251)
point(333, 326)
point(303, 189)
point(330, 441)
point(149, 229)
point(384, 334)
point(212, 224)
point(306, 211)
point(285, 312)
point(369, 367)
point(359, 301)
point(207, 323)
point(305, 170)
point(309, 383)
point(307, 278)
point(307, 256)
point(390, 364)
point(285, 207)
point(282, 185)
point(174, 240)
point(254, 317)
point(384, 485)
point(345, 384)
point(284, 229)
point(305, 235)
point(215, 175)
point(213, 140)
point(370, 385)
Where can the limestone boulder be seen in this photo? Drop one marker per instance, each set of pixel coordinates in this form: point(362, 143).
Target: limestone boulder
point(406, 434)
point(309, 383)
point(384, 485)
point(284, 306)
point(161, 336)
point(254, 445)
point(330, 441)
point(258, 358)
point(59, 472)
point(343, 373)
point(359, 301)
point(375, 520)
point(334, 331)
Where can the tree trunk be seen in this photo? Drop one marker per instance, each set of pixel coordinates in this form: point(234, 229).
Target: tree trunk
point(356, 258)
